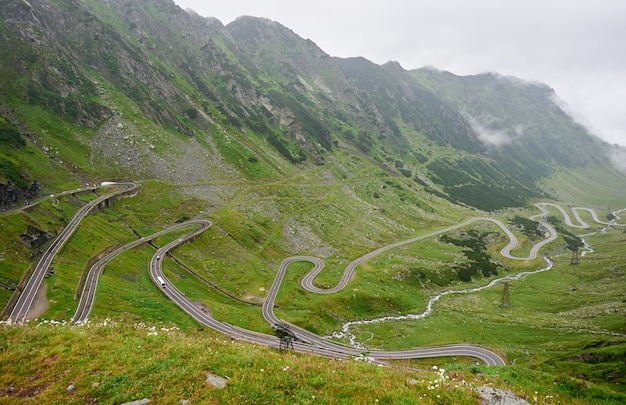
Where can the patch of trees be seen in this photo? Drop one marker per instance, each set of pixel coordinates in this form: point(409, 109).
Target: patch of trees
point(489, 198)
point(480, 263)
point(420, 157)
point(571, 241)
point(433, 191)
point(479, 184)
point(447, 175)
point(406, 172)
point(527, 226)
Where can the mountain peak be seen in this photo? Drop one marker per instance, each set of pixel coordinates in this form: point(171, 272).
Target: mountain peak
point(257, 78)
point(395, 65)
point(257, 25)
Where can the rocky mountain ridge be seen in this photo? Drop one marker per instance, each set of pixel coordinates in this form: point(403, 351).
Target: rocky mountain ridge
point(150, 90)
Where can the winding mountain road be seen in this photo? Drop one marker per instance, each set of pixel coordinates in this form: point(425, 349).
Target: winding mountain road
point(36, 201)
point(307, 281)
point(27, 296)
point(88, 295)
point(581, 224)
point(308, 342)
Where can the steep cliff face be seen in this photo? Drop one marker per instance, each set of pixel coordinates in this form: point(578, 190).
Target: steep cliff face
point(11, 194)
point(120, 88)
point(401, 97)
point(42, 63)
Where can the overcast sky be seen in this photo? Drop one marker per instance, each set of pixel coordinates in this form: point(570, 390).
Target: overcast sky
point(578, 47)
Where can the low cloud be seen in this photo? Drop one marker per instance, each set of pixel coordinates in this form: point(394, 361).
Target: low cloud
point(490, 136)
point(618, 157)
point(598, 105)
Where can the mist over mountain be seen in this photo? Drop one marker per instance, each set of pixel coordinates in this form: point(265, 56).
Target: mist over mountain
point(143, 89)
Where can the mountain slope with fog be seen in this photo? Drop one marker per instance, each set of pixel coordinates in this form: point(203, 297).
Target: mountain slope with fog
point(120, 88)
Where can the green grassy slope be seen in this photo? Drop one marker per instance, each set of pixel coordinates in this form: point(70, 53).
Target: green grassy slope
point(119, 361)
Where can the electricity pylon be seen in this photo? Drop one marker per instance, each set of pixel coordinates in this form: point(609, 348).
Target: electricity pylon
point(506, 296)
point(574, 260)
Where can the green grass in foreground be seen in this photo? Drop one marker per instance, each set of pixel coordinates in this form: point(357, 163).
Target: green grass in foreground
point(117, 362)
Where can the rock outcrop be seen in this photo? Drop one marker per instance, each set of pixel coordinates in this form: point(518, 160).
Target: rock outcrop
point(493, 396)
